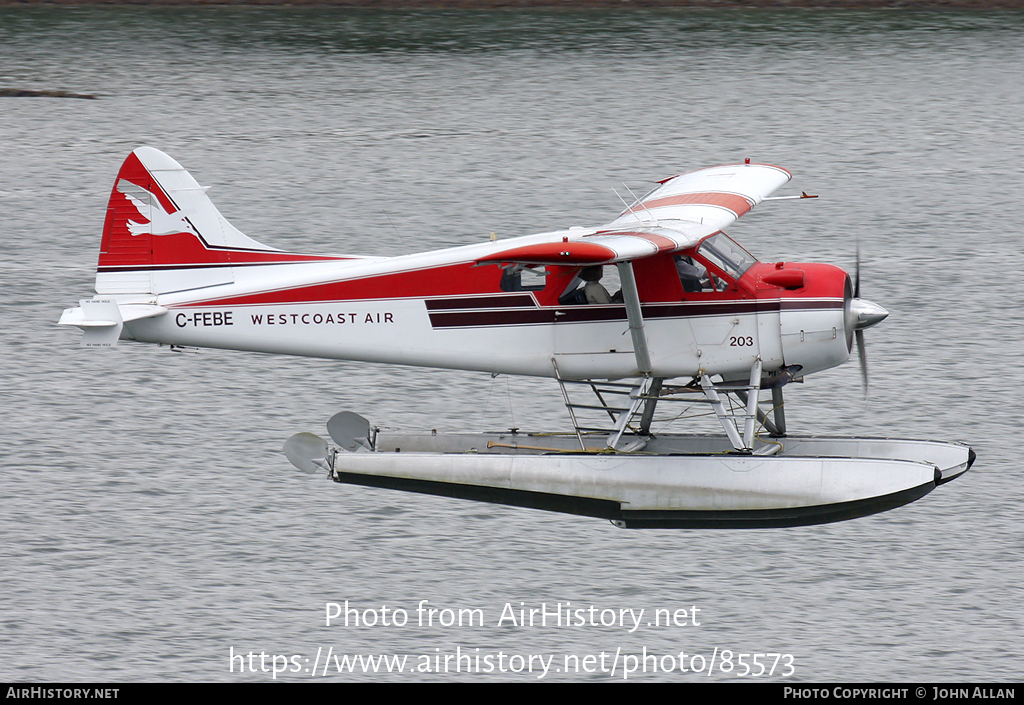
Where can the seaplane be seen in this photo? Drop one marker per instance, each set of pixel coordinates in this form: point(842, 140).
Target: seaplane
point(694, 320)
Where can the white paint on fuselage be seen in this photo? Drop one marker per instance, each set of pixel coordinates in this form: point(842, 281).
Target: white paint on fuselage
point(399, 331)
point(814, 339)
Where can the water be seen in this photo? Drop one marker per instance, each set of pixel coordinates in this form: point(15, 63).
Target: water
point(150, 523)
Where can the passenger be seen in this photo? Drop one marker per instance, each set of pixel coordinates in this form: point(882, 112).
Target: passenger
point(594, 290)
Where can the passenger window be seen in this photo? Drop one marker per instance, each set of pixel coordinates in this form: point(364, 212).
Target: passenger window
point(521, 277)
point(592, 285)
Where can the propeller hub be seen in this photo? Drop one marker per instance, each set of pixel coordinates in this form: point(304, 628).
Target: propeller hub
point(864, 313)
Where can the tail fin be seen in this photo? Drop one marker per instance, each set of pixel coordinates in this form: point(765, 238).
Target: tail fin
point(162, 233)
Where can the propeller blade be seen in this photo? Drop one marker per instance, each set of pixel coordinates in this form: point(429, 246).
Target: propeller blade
point(856, 284)
point(862, 355)
point(860, 314)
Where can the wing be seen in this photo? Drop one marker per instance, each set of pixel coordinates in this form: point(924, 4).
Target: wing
point(674, 216)
point(710, 199)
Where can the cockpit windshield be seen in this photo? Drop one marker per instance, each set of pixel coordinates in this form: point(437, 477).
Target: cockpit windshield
point(723, 252)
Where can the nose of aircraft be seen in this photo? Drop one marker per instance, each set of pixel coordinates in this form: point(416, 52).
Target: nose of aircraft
point(866, 313)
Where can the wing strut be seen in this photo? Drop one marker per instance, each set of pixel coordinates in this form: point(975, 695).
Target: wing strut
point(631, 297)
point(641, 395)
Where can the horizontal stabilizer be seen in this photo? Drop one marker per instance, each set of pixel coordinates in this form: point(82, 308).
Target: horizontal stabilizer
point(103, 319)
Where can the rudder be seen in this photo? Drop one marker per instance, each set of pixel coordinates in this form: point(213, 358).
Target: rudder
point(162, 233)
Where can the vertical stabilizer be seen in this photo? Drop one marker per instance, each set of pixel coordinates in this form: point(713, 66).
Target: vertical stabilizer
point(162, 233)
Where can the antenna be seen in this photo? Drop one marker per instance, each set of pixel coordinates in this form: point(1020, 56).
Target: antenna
point(653, 219)
point(629, 207)
point(396, 229)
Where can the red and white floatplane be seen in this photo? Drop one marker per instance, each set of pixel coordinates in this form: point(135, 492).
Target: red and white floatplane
point(696, 321)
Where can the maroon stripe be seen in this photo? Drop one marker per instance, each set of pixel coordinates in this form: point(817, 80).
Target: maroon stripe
point(481, 302)
point(585, 314)
point(472, 319)
point(791, 305)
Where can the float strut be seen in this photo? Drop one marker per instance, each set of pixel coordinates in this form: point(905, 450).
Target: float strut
point(723, 416)
point(649, 405)
point(730, 421)
point(761, 416)
point(755, 387)
point(779, 413)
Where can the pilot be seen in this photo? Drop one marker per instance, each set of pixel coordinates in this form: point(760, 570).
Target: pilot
point(594, 289)
point(691, 275)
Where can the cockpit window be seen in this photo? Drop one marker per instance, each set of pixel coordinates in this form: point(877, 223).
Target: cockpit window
point(723, 252)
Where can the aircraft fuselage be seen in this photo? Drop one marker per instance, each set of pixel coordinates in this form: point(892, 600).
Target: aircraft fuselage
point(456, 316)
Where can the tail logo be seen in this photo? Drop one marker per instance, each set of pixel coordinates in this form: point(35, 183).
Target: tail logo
point(160, 222)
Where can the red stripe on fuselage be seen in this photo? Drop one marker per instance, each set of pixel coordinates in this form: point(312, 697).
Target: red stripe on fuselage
point(454, 280)
point(197, 255)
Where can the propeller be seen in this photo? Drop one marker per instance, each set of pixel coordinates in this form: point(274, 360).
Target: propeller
point(860, 314)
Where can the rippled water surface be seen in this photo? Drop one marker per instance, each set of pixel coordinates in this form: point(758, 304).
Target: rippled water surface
point(150, 523)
